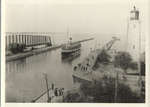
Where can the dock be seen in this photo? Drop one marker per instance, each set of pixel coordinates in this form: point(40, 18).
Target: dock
point(53, 99)
point(28, 53)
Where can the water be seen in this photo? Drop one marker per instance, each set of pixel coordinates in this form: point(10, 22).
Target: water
point(25, 80)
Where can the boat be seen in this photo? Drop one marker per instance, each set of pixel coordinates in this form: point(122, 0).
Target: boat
point(84, 71)
point(70, 49)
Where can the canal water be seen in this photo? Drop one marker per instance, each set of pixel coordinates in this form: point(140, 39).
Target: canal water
point(25, 77)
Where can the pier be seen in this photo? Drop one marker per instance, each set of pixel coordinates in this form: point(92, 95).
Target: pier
point(25, 44)
point(29, 39)
point(68, 54)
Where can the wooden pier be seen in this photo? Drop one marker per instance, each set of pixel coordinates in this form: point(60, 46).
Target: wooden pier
point(29, 39)
point(30, 53)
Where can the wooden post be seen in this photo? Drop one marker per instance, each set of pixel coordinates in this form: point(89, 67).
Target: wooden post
point(9, 39)
point(13, 38)
point(50, 40)
point(42, 39)
point(19, 39)
point(30, 39)
point(45, 39)
point(25, 39)
point(35, 39)
point(16, 38)
point(39, 38)
point(22, 39)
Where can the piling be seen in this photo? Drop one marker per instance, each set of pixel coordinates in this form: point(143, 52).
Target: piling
point(9, 39)
point(13, 38)
point(45, 38)
point(25, 39)
point(22, 38)
point(19, 39)
point(30, 39)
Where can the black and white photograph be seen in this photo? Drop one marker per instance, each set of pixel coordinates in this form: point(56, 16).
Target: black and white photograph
point(75, 51)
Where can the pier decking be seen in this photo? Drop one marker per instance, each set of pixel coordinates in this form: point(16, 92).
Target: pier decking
point(36, 51)
point(30, 53)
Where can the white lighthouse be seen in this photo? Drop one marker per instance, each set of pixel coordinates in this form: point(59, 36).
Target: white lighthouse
point(133, 34)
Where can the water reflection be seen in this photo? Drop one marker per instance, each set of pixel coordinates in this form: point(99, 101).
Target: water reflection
point(24, 77)
point(70, 58)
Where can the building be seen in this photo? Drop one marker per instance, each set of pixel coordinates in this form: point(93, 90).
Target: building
point(133, 34)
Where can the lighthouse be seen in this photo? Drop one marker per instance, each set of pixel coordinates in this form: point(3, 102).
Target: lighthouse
point(133, 34)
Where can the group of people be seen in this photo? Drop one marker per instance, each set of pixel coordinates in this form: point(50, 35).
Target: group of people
point(58, 92)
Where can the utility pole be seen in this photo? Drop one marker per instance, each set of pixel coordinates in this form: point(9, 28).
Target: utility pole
point(46, 80)
point(116, 87)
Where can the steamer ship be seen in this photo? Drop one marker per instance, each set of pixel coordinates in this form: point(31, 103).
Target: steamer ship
point(71, 49)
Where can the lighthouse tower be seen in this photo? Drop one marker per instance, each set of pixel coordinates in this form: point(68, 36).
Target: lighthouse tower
point(133, 34)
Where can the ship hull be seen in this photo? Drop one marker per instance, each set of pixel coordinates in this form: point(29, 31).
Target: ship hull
point(77, 79)
point(68, 52)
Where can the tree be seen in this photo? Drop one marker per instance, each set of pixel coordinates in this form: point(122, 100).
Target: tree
point(103, 57)
point(104, 91)
point(123, 60)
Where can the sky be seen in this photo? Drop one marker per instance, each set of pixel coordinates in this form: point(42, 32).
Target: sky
point(80, 16)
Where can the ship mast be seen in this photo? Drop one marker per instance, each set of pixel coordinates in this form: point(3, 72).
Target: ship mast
point(68, 36)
